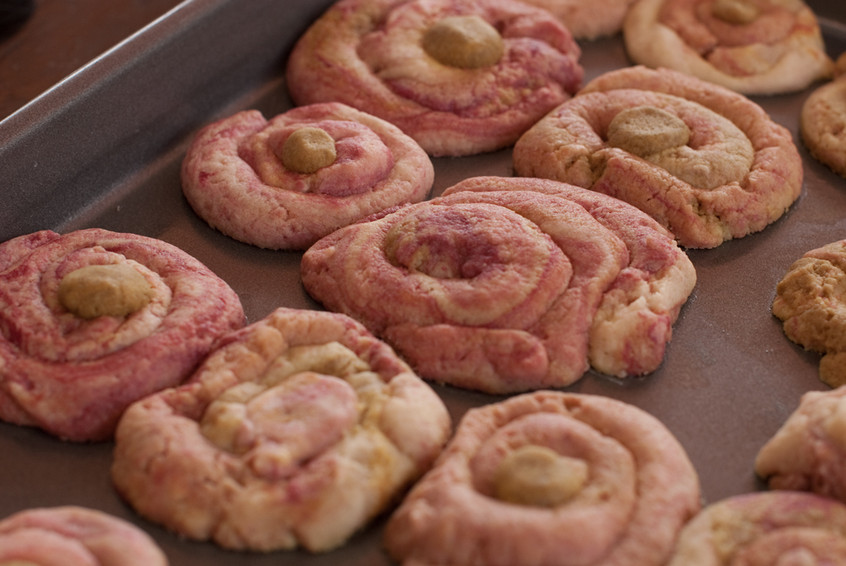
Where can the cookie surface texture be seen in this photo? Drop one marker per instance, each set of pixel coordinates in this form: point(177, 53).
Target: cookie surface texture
point(285, 182)
point(92, 320)
point(822, 124)
point(810, 301)
point(297, 432)
point(75, 536)
point(623, 488)
point(755, 47)
point(588, 20)
point(509, 284)
point(775, 527)
point(459, 76)
point(807, 452)
point(706, 162)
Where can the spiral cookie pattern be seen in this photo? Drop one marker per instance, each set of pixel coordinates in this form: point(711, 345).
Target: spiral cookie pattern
point(284, 183)
point(459, 76)
point(549, 478)
point(706, 162)
point(93, 320)
point(509, 284)
point(587, 20)
point(765, 529)
point(811, 303)
point(75, 536)
point(807, 452)
point(753, 47)
point(300, 429)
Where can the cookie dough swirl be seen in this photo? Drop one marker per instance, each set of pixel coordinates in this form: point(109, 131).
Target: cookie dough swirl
point(549, 478)
point(92, 320)
point(507, 284)
point(285, 182)
point(765, 529)
point(808, 451)
point(75, 536)
point(298, 431)
point(460, 77)
point(750, 46)
point(706, 162)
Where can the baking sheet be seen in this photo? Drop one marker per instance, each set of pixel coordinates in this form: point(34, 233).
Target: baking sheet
point(103, 148)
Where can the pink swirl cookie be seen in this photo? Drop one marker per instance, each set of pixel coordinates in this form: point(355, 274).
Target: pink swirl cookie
point(807, 453)
point(765, 529)
point(92, 320)
point(749, 46)
point(508, 284)
point(587, 20)
point(300, 429)
point(286, 182)
point(549, 478)
point(75, 536)
point(706, 162)
point(459, 76)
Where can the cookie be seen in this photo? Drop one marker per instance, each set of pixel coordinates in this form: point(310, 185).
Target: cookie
point(298, 431)
point(507, 284)
point(810, 303)
point(807, 452)
point(822, 124)
point(755, 47)
point(587, 20)
point(776, 527)
point(459, 76)
point(92, 320)
point(704, 161)
point(549, 478)
point(75, 536)
point(285, 182)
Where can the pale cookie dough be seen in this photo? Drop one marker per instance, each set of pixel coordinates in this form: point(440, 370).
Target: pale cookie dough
point(754, 47)
point(459, 76)
point(809, 450)
point(74, 536)
point(285, 182)
point(811, 302)
point(822, 124)
point(622, 490)
point(298, 431)
point(588, 20)
point(508, 284)
point(92, 320)
point(777, 528)
point(704, 161)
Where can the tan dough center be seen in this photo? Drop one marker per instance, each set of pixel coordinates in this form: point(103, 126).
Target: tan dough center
point(646, 130)
point(466, 42)
point(104, 290)
point(738, 12)
point(307, 150)
point(538, 476)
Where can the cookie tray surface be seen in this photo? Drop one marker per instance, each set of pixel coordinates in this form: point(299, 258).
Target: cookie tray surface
point(104, 146)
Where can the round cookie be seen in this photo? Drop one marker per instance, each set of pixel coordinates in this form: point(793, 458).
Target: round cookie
point(92, 320)
point(811, 302)
point(297, 431)
point(75, 536)
point(507, 284)
point(704, 161)
point(755, 47)
point(807, 452)
point(459, 76)
point(822, 124)
point(765, 528)
point(598, 481)
point(285, 182)
point(587, 20)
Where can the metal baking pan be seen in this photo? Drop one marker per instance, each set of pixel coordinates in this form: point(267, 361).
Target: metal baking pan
point(103, 148)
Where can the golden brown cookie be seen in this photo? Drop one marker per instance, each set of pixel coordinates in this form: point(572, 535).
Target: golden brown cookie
point(749, 46)
point(549, 478)
point(811, 302)
point(299, 430)
point(704, 161)
point(823, 124)
point(459, 76)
